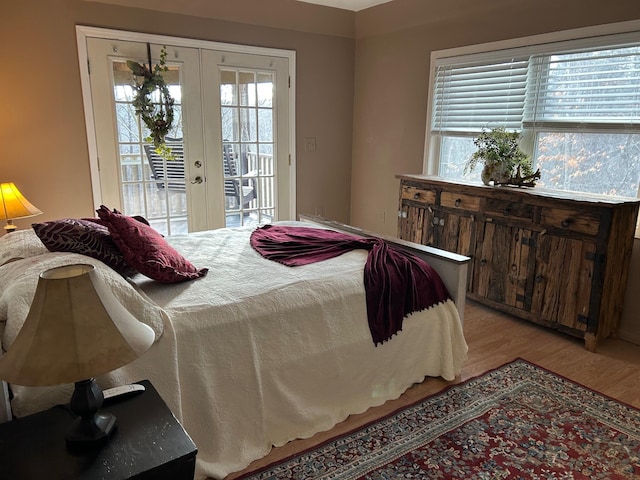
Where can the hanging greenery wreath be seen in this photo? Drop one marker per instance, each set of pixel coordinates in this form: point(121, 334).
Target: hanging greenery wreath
point(157, 116)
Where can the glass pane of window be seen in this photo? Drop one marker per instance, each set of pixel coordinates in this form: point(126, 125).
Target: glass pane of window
point(596, 86)
point(131, 164)
point(159, 225)
point(127, 121)
point(266, 165)
point(229, 119)
point(176, 130)
point(247, 88)
point(123, 93)
point(265, 89)
point(248, 124)
point(228, 88)
point(179, 225)
point(267, 192)
point(249, 158)
point(454, 154)
point(267, 216)
point(133, 197)
point(156, 201)
point(598, 163)
point(265, 124)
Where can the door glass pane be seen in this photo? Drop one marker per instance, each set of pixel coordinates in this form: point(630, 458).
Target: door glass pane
point(228, 87)
point(265, 89)
point(151, 186)
point(247, 115)
point(229, 117)
point(248, 124)
point(247, 88)
point(265, 124)
point(128, 127)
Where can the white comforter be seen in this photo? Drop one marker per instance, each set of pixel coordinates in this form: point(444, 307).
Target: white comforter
point(256, 354)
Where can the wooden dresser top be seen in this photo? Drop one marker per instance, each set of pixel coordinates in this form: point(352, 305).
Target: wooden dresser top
point(514, 193)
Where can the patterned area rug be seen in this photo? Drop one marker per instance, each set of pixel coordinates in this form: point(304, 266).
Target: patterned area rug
point(519, 421)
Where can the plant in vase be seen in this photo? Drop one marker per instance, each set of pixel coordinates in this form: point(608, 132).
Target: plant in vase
point(504, 162)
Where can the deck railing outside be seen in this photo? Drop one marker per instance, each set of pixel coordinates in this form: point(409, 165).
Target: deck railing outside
point(166, 208)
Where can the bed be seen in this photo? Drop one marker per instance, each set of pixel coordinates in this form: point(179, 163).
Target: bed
point(255, 353)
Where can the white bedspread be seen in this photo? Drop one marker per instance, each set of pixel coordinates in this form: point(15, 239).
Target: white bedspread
point(256, 354)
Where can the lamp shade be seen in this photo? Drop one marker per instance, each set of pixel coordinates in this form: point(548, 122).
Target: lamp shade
point(13, 204)
point(75, 329)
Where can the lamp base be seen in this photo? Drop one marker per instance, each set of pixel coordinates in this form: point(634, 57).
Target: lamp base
point(90, 428)
point(10, 227)
point(87, 431)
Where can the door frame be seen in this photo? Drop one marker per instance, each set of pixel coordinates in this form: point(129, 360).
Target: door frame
point(83, 32)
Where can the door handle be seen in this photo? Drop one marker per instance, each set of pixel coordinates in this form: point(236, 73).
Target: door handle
point(198, 179)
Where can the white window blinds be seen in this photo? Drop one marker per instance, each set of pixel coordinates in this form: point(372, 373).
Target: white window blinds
point(596, 89)
point(481, 94)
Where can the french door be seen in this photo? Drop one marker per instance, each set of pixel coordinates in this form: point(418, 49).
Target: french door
point(230, 139)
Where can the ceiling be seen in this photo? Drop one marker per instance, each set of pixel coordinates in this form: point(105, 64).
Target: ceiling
point(354, 5)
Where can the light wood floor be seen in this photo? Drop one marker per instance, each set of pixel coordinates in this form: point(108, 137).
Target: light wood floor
point(495, 338)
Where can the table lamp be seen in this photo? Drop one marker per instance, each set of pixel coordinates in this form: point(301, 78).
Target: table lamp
point(76, 329)
point(14, 205)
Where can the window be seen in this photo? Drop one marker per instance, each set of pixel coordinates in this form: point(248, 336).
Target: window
point(575, 102)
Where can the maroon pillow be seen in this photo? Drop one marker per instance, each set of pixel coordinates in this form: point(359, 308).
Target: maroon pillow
point(146, 250)
point(99, 221)
point(84, 237)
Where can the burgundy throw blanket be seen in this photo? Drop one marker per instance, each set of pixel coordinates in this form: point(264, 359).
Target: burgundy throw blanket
point(396, 282)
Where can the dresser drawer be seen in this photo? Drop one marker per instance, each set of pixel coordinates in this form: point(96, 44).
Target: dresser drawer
point(461, 201)
point(581, 221)
point(502, 208)
point(418, 194)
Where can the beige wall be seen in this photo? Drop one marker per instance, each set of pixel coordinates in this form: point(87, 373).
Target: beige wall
point(42, 130)
point(394, 43)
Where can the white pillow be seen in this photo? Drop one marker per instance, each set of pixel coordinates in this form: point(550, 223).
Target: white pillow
point(20, 244)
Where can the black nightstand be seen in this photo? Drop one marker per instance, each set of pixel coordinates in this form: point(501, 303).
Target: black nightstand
point(148, 444)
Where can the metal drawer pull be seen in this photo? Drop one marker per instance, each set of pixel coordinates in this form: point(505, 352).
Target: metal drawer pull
point(483, 262)
point(458, 202)
point(539, 278)
point(416, 196)
point(566, 223)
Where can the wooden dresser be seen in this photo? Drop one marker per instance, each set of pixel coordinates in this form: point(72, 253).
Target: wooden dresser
point(554, 258)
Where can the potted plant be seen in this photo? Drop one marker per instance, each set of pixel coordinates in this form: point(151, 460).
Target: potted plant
point(504, 162)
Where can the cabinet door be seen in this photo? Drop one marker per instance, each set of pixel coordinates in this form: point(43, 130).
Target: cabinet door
point(564, 270)
point(453, 232)
point(502, 263)
point(432, 227)
point(414, 224)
